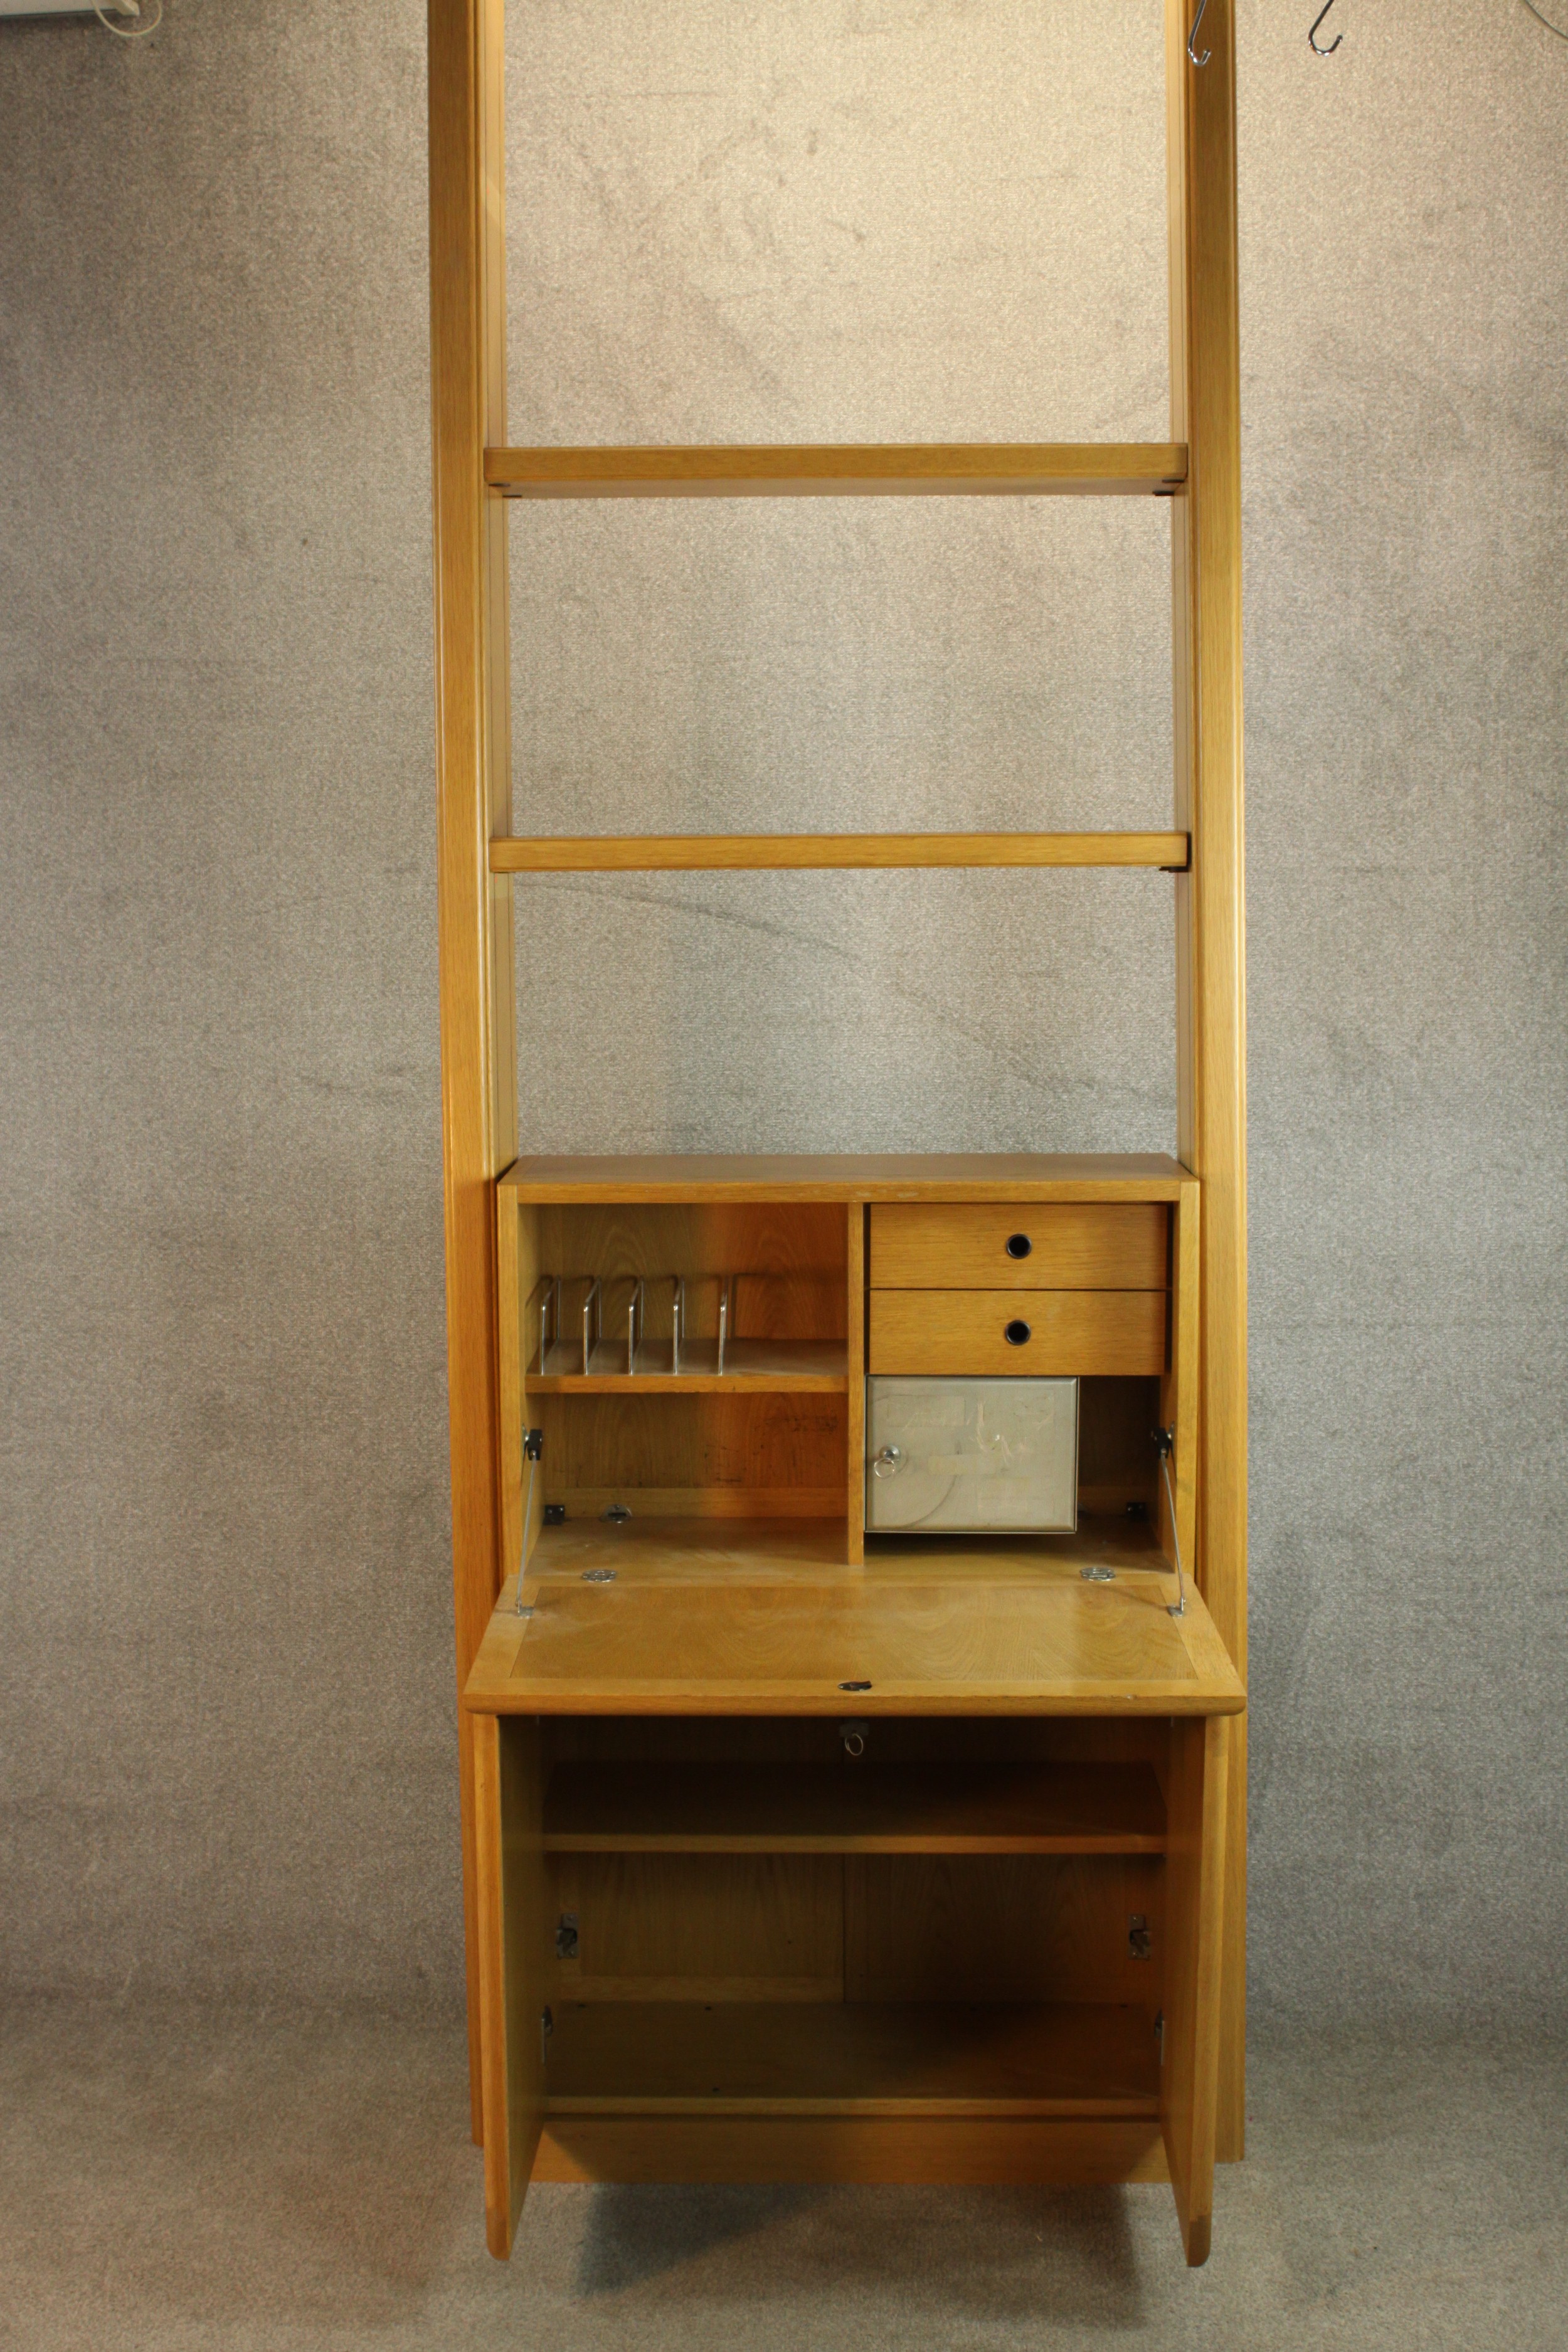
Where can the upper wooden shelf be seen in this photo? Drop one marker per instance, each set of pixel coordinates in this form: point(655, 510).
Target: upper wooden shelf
point(689, 853)
point(842, 1177)
point(855, 1808)
point(848, 1176)
point(703, 1617)
point(879, 469)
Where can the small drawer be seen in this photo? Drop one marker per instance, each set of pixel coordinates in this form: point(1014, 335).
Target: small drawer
point(1019, 1244)
point(995, 1333)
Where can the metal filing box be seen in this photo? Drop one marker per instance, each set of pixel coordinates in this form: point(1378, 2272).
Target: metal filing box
point(972, 1453)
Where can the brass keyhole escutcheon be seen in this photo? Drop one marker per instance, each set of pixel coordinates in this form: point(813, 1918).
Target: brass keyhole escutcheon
point(1017, 1332)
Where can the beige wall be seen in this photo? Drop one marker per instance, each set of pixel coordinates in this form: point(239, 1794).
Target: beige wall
point(225, 1681)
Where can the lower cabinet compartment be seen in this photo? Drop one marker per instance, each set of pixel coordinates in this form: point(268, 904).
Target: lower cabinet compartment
point(964, 1928)
point(810, 1949)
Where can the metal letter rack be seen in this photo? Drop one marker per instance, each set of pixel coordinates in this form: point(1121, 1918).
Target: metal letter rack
point(597, 1325)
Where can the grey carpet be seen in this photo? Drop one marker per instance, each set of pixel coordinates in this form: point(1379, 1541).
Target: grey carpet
point(173, 2180)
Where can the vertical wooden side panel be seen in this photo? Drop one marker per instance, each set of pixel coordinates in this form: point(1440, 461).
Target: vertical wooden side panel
point(855, 1416)
point(1181, 508)
point(1194, 1899)
point(478, 1117)
point(1179, 1387)
point(489, 2010)
point(510, 1389)
point(1211, 937)
point(517, 1278)
point(512, 1911)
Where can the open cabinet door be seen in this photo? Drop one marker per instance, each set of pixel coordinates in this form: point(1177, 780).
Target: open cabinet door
point(1194, 1901)
point(513, 1991)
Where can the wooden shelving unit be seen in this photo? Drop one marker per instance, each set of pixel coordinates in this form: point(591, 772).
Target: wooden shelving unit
point(794, 1851)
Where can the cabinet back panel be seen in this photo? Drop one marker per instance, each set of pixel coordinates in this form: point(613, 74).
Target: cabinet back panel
point(785, 1740)
point(703, 1927)
point(744, 1441)
point(999, 1927)
point(792, 1243)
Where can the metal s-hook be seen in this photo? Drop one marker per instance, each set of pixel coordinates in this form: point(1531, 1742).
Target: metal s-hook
point(1193, 35)
point(1312, 35)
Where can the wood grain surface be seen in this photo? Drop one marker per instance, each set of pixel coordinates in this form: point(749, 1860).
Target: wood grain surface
point(929, 469)
point(718, 1177)
point(1071, 1245)
point(946, 2149)
point(706, 1617)
point(473, 804)
point(855, 1808)
point(847, 2058)
point(958, 1334)
point(1211, 938)
point(833, 852)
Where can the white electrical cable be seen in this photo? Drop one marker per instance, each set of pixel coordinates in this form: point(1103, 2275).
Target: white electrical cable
point(132, 32)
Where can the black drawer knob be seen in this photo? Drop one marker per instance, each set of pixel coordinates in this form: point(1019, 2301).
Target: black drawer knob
point(1019, 1244)
point(1016, 1332)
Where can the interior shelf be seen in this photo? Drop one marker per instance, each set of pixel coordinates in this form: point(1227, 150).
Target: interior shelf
point(862, 2058)
point(751, 1368)
point(856, 1808)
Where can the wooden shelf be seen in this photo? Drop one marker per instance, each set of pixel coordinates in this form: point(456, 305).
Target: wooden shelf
point(855, 1808)
point(751, 1368)
point(831, 2058)
point(1168, 852)
point(651, 1178)
point(734, 1617)
point(881, 470)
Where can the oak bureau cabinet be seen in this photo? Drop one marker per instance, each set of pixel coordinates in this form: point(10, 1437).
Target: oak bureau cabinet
point(794, 1851)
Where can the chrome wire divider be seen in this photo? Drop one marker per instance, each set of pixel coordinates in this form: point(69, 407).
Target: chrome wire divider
point(593, 1305)
point(589, 1348)
point(549, 1317)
